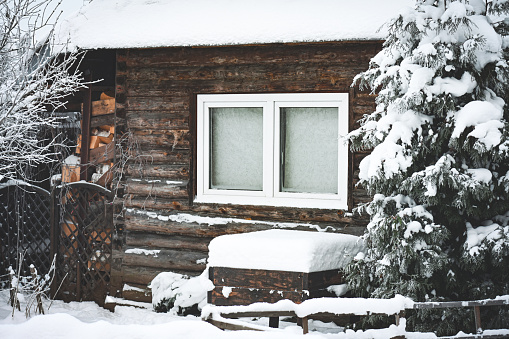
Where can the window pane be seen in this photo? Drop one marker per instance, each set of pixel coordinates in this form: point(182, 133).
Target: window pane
point(309, 149)
point(236, 148)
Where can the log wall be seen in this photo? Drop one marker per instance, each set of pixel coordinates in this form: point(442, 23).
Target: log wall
point(156, 99)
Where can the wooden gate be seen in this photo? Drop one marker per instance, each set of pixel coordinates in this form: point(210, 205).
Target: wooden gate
point(24, 229)
point(83, 241)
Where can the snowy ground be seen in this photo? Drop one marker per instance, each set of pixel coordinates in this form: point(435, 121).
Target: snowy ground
point(87, 320)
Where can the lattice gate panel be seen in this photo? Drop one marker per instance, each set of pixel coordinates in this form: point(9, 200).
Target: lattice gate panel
point(24, 229)
point(84, 236)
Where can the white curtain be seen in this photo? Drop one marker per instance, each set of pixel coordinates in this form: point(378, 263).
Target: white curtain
point(309, 149)
point(236, 148)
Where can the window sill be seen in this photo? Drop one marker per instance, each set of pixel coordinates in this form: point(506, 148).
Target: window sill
point(328, 204)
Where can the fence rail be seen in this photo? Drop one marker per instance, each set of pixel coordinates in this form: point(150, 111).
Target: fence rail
point(332, 307)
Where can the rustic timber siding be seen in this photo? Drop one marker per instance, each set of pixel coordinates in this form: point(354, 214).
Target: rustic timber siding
point(156, 102)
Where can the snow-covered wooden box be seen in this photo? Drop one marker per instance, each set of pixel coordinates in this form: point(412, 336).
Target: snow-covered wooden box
point(268, 266)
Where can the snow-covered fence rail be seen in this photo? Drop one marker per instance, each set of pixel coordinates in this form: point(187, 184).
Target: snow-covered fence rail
point(476, 304)
point(329, 307)
point(221, 316)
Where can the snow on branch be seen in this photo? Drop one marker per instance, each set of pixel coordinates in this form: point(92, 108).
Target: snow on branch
point(35, 79)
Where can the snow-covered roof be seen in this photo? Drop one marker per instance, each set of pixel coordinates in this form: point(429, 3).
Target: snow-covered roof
point(165, 23)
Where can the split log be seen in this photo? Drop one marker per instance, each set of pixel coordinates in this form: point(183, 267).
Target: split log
point(103, 107)
point(102, 154)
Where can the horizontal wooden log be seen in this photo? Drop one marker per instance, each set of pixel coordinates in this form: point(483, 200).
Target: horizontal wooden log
point(158, 188)
point(454, 304)
point(144, 275)
point(153, 154)
point(335, 75)
point(150, 240)
point(275, 280)
point(263, 54)
point(164, 225)
point(323, 279)
point(139, 223)
point(260, 279)
point(246, 296)
point(167, 260)
point(325, 219)
point(156, 203)
point(157, 120)
point(137, 293)
point(173, 139)
point(151, 101)
point(169, 172)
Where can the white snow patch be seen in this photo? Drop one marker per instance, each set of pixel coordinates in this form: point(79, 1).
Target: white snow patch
point(476, 235)
point(125, 302)
point(412, 227)
point(72, 160)
point(226, 291)
point(485, 116)
point(127, 287)
point(284, 250)
point(142, 251)
point(338, 290)
point(183, 290)
point(456, 87)
point(480, 174)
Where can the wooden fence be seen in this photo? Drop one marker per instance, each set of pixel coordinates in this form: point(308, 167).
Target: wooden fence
point(221, 316)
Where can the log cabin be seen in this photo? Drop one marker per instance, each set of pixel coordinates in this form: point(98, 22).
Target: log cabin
point(228, 118)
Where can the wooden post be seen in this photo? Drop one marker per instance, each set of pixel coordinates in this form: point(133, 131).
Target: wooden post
point(274, 322)
point(477, 315)
point(305, 325)
point(54, 234)
point(78, 280)
point(398, 317)
point(85, 128)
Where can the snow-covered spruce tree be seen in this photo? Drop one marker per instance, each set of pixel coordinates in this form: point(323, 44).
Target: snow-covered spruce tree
point(439, 166)
point(34, 80)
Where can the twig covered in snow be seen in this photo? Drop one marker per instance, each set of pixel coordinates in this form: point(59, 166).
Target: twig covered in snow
point(35, 79)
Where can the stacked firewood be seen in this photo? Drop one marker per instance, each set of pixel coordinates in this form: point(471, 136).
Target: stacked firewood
point(101, 146)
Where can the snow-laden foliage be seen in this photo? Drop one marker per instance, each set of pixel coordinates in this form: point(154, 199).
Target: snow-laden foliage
point(180, 294)
point(34, 81)
point(439, 166)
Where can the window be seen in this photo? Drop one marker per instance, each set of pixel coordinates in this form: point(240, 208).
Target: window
point(273, 149)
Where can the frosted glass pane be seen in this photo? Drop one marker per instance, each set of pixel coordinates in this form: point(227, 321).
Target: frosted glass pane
point(236, 148)
point(309, 149)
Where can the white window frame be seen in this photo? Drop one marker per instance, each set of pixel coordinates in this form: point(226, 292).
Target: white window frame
point(270, 195)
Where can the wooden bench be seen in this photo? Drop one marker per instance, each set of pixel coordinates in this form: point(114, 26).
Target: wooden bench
point(273, 265)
